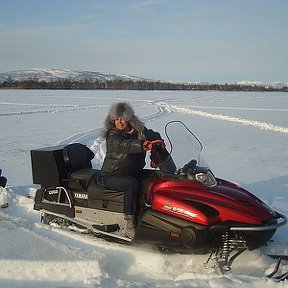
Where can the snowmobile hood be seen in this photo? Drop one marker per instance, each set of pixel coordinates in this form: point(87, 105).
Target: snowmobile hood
point(229, 201)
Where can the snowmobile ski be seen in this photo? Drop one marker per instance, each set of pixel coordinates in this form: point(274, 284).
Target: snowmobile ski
point(272, 275)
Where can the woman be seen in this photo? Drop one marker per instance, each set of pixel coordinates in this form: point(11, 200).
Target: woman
point(127, 140)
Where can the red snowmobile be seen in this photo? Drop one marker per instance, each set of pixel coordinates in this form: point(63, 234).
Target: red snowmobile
point(189, 211)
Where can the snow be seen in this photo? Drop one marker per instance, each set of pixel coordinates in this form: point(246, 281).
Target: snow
point(245, 138)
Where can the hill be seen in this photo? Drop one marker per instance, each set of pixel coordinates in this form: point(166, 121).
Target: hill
point(78, 79)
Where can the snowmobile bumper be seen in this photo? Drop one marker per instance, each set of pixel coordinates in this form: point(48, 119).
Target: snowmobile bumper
point(280, 220)
point(271, 226)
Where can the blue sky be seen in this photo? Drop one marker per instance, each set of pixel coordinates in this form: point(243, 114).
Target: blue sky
point(197, 40)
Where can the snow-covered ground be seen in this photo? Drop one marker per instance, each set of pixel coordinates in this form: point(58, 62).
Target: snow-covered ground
point(245, 138)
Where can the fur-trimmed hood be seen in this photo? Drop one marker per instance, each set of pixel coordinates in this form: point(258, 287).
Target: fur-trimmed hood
point(123, 110)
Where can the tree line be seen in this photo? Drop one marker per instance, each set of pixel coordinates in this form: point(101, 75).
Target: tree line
point(71, 84)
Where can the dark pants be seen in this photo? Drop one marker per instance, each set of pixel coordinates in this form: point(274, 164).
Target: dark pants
point(127, 184)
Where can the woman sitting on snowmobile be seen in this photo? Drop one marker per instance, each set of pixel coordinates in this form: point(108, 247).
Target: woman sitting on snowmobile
point(127, 140)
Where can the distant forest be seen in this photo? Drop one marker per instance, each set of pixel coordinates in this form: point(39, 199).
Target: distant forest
point(71, 84)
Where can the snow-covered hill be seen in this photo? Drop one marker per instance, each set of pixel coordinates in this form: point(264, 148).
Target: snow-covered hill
point(276, 84)
point(48, 75)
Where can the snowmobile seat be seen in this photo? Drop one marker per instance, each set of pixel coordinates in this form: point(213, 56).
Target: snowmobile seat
point(77, 158)
point(98, 191)
point(93, 195)
point(87, 181)
point(81, 177)
point(100, 197)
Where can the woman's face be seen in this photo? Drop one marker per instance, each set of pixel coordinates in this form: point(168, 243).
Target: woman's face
point(121, 124)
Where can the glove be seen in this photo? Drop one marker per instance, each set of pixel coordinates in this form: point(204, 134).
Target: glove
point(158, 156)
point(150, 145)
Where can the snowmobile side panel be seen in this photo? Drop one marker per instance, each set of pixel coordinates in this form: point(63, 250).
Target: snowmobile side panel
point(174, 233)
point(181, 209)
point(100, 217)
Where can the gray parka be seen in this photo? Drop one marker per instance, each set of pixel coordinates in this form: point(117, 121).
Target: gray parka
point(124, 151)
point(124, 154)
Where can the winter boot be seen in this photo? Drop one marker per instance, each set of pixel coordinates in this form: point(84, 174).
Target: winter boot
point(130, 226)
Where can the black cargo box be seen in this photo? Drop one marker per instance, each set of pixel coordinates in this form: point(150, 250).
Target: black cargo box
point(48, 167)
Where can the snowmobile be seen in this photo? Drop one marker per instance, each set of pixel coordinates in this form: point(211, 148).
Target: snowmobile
point(189, 211)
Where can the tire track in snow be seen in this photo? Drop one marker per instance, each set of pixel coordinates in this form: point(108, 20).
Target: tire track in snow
point(242, 108)
point(88, 137)
point(243, 121)
point(53, 109)
point(163, 111)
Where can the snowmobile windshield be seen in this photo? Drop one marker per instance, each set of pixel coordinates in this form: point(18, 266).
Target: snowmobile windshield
point(183, 144)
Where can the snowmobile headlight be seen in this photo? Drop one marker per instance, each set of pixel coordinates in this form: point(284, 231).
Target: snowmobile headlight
point(206, 178)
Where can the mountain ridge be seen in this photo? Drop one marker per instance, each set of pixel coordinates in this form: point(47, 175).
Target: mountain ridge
point(51, 74)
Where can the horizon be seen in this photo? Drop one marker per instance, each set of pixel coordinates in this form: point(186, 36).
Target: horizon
point(166, 40)
point(61, 76)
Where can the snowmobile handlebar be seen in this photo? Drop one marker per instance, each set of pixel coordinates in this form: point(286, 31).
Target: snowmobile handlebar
point(192, 172)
